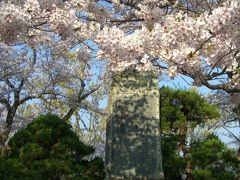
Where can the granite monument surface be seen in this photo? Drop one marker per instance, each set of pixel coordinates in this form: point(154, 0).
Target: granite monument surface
point(133, 146)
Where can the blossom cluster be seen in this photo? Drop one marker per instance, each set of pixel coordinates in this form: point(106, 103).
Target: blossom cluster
point(130, 35)
point(40, 18)
point(181, 41)
point(13, 23)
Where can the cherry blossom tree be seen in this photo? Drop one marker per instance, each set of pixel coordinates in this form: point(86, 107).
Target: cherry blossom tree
point(52, 84)
point(196, 38)
point(200, 40)
point(42, 69)
point(204, 46)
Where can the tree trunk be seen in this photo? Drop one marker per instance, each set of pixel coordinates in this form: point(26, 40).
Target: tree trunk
point(69, 114)
point(189, 170)
point(4, 135)
point(8, 126)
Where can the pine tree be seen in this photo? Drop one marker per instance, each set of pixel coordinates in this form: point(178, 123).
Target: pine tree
point(199, 158)
point(48, 149)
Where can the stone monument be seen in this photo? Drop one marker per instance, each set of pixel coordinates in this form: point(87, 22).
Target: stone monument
point(133, 147)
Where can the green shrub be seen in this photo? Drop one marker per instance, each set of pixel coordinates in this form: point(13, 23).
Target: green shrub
point(48, 149)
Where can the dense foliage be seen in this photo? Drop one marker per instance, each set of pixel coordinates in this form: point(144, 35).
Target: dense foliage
point(48, 149)
point(210, 159)
point(186, 152)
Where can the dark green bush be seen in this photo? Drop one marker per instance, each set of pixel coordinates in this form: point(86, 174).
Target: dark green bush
point(48, 149)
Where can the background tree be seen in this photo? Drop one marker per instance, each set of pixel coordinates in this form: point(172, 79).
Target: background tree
point(230, 118)
point(48, 149)
point(173, 164)
point(182, 111)
point(30, 86)
point(212, 159)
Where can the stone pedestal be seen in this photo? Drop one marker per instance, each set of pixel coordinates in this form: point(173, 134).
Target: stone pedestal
point(133, 149)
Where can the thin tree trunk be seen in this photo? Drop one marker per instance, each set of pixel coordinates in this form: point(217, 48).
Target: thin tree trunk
point(11, 110)
point(189, 169)
point(69, 114)
point(8, 127)
point(4, 136)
